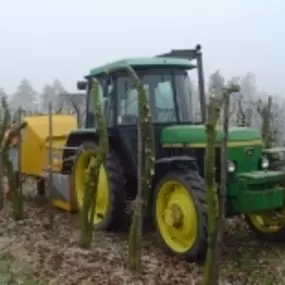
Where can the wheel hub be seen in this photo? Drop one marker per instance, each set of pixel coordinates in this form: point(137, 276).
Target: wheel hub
point(174, 216)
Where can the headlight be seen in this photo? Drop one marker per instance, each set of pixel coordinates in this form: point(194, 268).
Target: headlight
point(264, 162)
point(231, 166)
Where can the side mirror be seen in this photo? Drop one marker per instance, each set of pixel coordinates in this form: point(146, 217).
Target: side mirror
point(81, 85)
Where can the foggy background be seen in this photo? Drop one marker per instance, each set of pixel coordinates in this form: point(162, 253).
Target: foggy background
point(46, 46)
point(43, 40)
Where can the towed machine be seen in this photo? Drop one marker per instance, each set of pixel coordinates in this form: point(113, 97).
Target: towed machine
point(178, 197)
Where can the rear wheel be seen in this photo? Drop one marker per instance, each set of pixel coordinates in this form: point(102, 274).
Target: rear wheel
point(111, 194)
point(267, 226)
point(180, 214)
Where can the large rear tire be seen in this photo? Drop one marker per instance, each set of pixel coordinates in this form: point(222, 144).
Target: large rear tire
point(111, 193)
point(180, 214)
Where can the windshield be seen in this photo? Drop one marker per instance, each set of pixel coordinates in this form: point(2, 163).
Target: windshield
point(169, 95)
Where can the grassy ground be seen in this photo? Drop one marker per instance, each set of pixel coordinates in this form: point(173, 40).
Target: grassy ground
point(30, 254)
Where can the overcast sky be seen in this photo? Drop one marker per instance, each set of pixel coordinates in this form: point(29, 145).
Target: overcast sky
point(42, 40)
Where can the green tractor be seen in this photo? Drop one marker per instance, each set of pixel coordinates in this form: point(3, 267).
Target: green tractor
point(177, 202)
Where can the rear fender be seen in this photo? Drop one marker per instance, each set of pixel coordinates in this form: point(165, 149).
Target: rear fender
point(166, 164)
point(77, 138)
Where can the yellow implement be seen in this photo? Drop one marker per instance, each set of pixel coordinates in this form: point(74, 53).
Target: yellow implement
point(34, 155)
point(34, 150)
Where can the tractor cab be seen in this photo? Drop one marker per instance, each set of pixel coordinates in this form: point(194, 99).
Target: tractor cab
point(166, 80)
point(165, 77)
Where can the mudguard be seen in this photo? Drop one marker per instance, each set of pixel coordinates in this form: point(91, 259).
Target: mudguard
point(77, 137)
point(165, 164)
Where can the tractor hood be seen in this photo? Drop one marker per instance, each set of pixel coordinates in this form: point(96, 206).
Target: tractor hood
point(196, 135)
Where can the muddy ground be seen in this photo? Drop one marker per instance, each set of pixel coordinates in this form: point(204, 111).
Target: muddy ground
point(31, 254)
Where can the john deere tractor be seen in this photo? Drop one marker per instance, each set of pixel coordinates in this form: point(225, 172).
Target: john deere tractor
point(178, 196)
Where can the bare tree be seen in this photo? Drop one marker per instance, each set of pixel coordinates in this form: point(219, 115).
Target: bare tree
point(25, 97)
point(51, 93)
point(74, 103)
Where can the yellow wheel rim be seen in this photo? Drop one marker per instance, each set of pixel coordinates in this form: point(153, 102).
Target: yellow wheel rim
point(265, 222)
point(102, 201)
point(176, 216)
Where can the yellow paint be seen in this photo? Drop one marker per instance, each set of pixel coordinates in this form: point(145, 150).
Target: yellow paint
point(102, 202)
point(176, 216)
point(58, 143)
point(64, 205)
point(60, 122)
point(34, 150)
point(203, 145)
point(265, 222)
point(56, 164)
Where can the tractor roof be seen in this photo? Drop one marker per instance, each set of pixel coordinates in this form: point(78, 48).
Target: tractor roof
point(144, 62)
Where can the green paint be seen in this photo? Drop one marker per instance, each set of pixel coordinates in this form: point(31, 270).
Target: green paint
point(258, 191)
point(255, 177)
point(82, 131)
point(143, 62)
point(259, 201)
point(196, 134)
point(249, 189)
point(244, 162)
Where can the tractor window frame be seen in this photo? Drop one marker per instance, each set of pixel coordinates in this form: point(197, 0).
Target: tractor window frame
point(184, 96)
point(104, 81)
point(149, 72)
point(124, 81)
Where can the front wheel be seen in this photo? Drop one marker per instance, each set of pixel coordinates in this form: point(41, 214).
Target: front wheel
point(180, 214)
point(267, 226)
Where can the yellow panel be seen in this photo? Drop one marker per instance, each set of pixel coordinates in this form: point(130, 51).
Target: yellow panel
point(63, 205)
point(34, 150)
point(31, 153)
point(59, 144)
point(61, 124)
